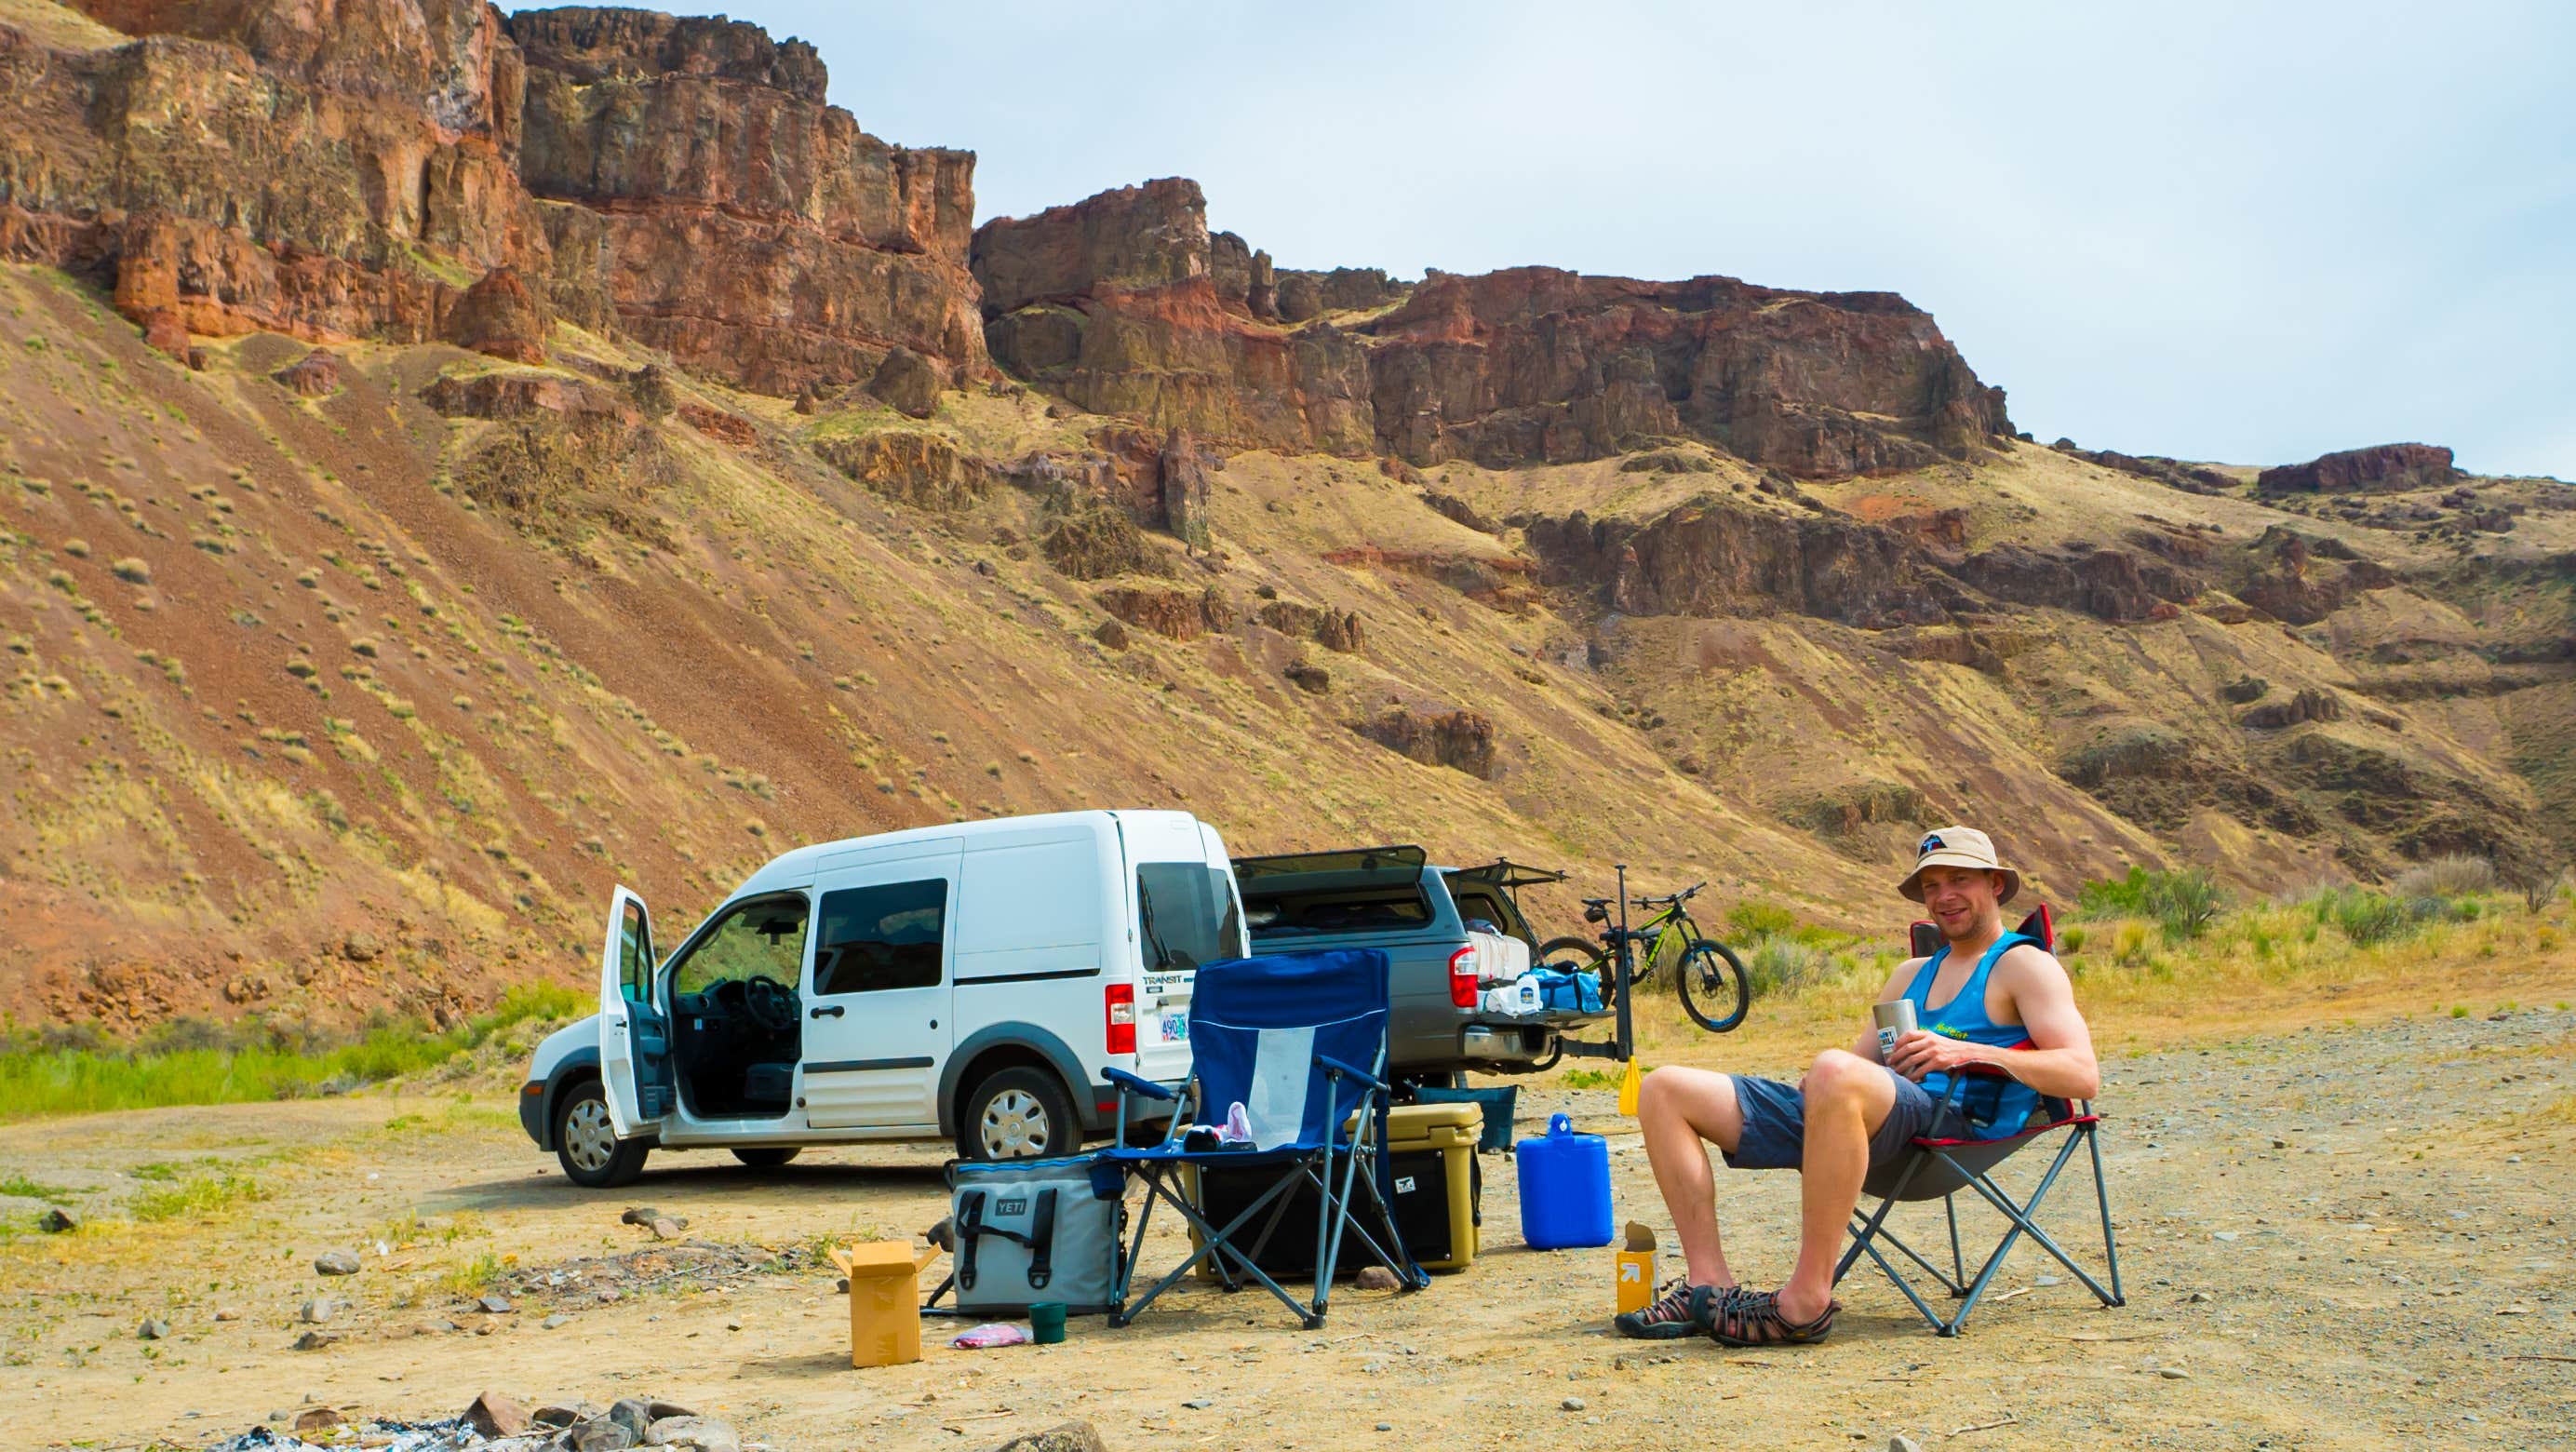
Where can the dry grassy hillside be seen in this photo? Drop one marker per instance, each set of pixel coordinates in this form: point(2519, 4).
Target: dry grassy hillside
point(326, 704)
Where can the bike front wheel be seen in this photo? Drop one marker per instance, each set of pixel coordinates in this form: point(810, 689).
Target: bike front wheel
point(1714, 991)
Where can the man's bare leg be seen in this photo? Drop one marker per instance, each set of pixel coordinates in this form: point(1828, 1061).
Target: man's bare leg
point(1679, 1109)
point(1848, 1098)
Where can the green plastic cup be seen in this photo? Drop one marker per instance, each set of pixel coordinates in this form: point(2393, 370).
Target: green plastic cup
point(1046, 1322)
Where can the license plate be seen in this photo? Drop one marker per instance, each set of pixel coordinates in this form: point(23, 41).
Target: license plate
point(1176, 1028)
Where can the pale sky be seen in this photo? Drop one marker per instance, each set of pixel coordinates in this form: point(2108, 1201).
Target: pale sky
point(2246, 233)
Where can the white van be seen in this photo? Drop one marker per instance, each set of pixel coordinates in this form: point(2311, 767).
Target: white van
point(968, 982)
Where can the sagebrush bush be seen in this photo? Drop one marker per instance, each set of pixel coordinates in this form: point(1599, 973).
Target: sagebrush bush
point(2455, 875)
point(1778, 963)
point(2185, 901)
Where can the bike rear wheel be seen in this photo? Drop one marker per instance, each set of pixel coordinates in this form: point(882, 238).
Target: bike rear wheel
point(1575, 953)
point(1714, 991)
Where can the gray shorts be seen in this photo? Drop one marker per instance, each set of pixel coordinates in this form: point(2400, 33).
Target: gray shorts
point(1775, 1123)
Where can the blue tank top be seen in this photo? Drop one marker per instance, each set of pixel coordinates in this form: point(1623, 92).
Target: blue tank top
point(1995, 1106)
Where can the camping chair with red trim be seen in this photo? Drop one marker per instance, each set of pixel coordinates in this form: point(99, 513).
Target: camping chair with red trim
point(1938, 1169)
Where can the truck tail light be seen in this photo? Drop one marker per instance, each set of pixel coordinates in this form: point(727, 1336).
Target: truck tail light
point(1462, 978)
point(1119, 1000)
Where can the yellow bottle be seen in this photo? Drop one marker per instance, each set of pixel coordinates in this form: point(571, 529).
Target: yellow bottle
point(1628, 1090)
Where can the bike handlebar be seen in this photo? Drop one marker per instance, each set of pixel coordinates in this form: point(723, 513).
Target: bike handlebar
point(1675, 898)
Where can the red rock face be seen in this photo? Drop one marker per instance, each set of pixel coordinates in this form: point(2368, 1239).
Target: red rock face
point(314, 166)
point(501, 317)
point(1115, 303)
point(742, 224)
point(2381, 468)
point(1125, 304)
point(1538, 365)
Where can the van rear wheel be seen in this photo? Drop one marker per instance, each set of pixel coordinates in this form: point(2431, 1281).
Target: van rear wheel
point(1014, 1114)
point(586, 1143)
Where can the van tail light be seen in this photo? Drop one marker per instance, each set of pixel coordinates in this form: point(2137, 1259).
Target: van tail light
point(1120, 1001)
point(1462, 978)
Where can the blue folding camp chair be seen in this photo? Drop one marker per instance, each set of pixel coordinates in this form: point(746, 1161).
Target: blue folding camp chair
point(1938, 1169)
point(1298, 1040)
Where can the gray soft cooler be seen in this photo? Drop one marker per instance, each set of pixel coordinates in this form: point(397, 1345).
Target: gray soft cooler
point(1035, 1230)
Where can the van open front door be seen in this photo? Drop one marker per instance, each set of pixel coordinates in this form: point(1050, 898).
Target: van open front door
point(634, 1032)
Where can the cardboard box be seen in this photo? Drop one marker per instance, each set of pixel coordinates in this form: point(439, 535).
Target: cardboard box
point(885, 1300)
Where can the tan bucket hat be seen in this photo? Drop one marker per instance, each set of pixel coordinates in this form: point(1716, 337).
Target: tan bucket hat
point(1958, 847)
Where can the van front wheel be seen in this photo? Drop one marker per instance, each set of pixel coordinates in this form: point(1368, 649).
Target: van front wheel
point(1015, 1114)
point(587, 1145)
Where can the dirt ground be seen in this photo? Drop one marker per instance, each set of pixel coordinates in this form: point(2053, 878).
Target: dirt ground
point(2335, 1236)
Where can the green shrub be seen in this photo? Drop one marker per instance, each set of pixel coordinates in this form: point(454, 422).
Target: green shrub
point(2363, 916)
point(2185, 901)
point(1753, 918)
point(1779, 963)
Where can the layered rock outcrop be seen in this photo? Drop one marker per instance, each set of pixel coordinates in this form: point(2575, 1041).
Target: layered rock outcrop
point(736, 220)
point(1125, 303)
point(2381, 468)
point(1114, 303)
point(1536, 365)
point(255, 164)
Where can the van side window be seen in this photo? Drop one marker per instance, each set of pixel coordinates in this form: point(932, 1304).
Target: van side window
point(764, 938)
point(876, 938)
point(634, 955)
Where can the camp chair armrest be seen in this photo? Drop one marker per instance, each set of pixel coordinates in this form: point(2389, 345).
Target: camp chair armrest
point(1336, 1066)
point(1137, 1084)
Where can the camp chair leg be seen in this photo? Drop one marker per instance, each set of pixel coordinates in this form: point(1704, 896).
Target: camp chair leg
point(1861, 1238)
point(2102, 1198)
point(1905, 1286)
point(1958, 1266)
point(1212, 1242)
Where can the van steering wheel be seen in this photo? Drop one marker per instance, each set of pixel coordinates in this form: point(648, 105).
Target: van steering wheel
point(770, 1003)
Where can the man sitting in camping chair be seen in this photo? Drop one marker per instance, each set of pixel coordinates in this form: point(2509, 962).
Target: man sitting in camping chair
point(1988, 999)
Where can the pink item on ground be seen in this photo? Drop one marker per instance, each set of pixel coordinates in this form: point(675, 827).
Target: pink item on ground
point(990, 1334)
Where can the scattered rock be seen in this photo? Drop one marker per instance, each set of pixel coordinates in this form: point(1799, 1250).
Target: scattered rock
point(57, 1220)
point(227, 1313)
point(1902, 1443)
point(494, 1305)
point(1311, 678)
point(944, 1234)
point(152, 1329)
point(2173, 1373)
point(2224, 1235)
point(639, 1215)
point(1377, 1278)
point(318, 1419)
point(908, 383)
point(314, 1340)
point(553, 1321)
point(635, 1414)
point(1199, 1404)
point(1113, 634)
point(317, 1311)
point(496, 1415)
point(599, 1434)
point(703, 1434)
point(657, 1409)
point(667, 1228)
point(1572, 1404)
point(556, 1414)
point(315, 375)
point(2200, 1298)
point(337, 1262)
point(1062, 1437)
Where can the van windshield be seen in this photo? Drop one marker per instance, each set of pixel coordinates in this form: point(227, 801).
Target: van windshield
point(1186, 915)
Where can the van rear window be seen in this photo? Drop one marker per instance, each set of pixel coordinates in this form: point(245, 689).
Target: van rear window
point(1185, 915)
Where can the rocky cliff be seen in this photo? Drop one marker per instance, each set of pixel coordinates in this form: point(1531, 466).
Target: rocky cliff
point(1126, 303)
point(242, 166)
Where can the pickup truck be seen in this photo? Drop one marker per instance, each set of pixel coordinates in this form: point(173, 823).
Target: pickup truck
point(1393, 898)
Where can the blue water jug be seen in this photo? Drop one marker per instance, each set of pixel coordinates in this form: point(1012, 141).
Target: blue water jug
point(1565, 1188)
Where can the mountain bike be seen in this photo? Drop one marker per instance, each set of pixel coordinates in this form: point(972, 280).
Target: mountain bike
point(1706, 973)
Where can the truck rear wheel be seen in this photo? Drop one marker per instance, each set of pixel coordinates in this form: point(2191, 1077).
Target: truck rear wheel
point(586, 1142)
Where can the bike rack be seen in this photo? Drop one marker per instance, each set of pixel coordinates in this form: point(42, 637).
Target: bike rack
point(1622, 1045)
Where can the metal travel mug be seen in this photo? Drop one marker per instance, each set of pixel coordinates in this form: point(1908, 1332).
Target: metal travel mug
point(1895, 1020)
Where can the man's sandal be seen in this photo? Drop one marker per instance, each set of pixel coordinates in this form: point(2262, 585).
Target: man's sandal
point(1753, 1319)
